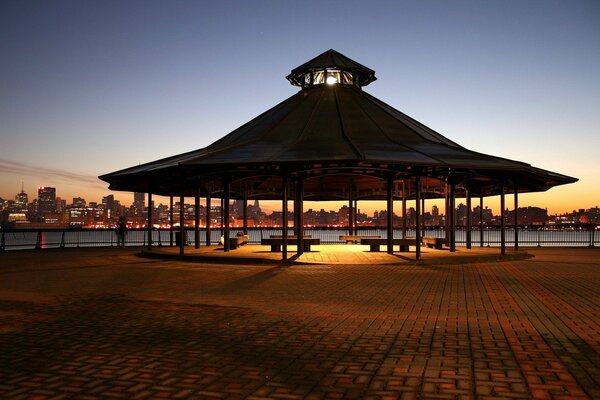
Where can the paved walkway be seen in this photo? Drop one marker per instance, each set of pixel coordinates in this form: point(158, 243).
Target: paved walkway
point(333, 254)
point(105, 324)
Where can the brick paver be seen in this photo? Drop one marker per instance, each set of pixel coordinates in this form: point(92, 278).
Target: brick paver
point(105, 324)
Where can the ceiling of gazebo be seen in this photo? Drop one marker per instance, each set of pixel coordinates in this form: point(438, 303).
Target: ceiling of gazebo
point(335, 137)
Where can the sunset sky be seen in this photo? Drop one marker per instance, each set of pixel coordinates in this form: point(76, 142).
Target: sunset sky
point(87, 88)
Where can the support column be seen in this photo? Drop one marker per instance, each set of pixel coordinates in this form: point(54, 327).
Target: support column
point(208, 233)
point(296, 204)
point(300, 211)
point(418, 216)
point(350, 212)
point(149, 227)
point(469, 223)
point(197, 219)
point(222, 213)
point(452, 217)
point(423, 214)
point(181, 226)
point(502, 222)
point(284, 218)
point(403, 209)
point(481, 220)
point(245, 213)
point(516, 218)
point(355, 217)
point(390, 215)
point(447, 214)
point(225, 219)
point(171, 220)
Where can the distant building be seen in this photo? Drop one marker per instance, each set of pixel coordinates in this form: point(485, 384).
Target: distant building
point(78, 202)
point(528, 215)
point(435, 215)
point(487, 215)
point(21, 200)
point(46, 200)
point(137, 207)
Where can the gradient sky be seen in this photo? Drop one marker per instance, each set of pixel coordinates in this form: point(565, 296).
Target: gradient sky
point(87, 88)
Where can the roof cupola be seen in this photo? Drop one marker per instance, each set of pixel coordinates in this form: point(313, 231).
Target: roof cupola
point(331, 68)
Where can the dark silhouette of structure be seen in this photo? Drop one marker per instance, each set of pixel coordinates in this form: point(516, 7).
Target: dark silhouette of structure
point(333, 141)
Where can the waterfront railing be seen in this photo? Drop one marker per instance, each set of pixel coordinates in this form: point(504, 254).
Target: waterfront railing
point(572, 235)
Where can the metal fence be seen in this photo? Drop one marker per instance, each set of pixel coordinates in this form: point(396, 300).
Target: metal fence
point(574, 235)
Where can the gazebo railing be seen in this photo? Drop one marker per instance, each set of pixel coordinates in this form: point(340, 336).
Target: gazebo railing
point(572, 235)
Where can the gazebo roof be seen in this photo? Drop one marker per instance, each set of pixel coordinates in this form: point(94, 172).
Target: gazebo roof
point(337, 128)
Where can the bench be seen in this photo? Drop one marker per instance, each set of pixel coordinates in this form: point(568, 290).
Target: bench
point(378, 242)
point(289, 237)
point(237, 241)
point(432, 242)
point(353, 239)
point(276, 243)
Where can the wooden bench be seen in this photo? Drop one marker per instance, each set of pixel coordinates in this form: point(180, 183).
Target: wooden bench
point(377, 243)
point(353, 239)
point(237, 241)
point(431, 242)
point(289, 237)
point(276, 243)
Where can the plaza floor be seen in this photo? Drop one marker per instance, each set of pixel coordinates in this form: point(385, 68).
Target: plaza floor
point(108, 324)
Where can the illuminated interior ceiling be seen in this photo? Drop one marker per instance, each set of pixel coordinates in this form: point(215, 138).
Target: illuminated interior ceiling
point(340, 141)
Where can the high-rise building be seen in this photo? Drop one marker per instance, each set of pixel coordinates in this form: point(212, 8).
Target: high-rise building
point(238, 208)
point(46, 200)
point(435, 215)
point(108, 202)
point(61, 205)
point(78, 202)
point(21, 199)
point(137, 207)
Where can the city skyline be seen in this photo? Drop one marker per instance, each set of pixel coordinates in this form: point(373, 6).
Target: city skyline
point(80, 100)
point(48, 208)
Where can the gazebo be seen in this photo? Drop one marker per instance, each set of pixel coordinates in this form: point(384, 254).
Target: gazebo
point(334, 141)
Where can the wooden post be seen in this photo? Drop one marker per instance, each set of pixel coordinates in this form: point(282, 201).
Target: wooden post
point(171, 220)
point(197, 219)
point(390, 215)
point(300, 211)
point(355, 216)
point(447, 214)
point(468, 196)
point(418, 212)
point(403, 209)
point(452, 217)
point(222, 213)
point(350, 212)
point(149, 227)
point(502, 222)
point(208, 233)
point(481, 220)
point(225, 219)
point(516, 218)
point(284, 218)
point(181, 225)
point(423, 213)
point(245, 213)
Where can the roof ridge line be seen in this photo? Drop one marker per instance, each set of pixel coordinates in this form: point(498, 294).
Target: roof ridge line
point(394, 140)
point(386, 108)
point(337, 107)
point(312, 113)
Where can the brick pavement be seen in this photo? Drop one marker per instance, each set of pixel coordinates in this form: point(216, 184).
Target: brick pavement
point(104, 324)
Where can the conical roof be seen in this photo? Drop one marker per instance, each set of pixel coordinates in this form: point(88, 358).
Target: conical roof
point(338, 125)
